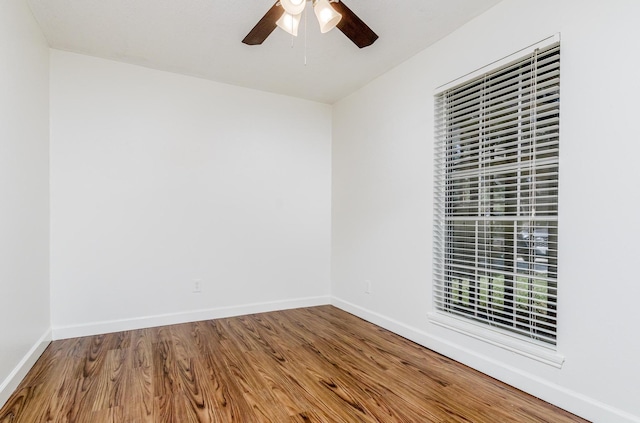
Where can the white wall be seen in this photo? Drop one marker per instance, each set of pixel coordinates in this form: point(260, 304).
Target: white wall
point(24, 193)
point(382, 199)
point(159, 179)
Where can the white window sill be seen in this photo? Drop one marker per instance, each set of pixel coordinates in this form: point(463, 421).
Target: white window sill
point(499, 338)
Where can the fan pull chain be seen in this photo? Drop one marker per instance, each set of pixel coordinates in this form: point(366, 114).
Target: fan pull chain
point(305, 36)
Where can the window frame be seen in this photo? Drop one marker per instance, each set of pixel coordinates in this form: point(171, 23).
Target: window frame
point(479, 328)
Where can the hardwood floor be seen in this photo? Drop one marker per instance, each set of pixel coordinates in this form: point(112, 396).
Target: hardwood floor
point(317, 364)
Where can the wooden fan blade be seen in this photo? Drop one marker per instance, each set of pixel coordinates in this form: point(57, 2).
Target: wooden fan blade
point(353, 27)
point(265, 26)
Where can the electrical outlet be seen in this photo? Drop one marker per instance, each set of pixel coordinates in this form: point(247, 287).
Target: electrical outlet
point(367, 286)
point(197, 286)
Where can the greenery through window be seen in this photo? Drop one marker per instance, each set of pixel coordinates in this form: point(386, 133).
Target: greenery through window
point(496, 197)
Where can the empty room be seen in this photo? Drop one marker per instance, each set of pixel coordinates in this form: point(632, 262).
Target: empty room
point(319, 211)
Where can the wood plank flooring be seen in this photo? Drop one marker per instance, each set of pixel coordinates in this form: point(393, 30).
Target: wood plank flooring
point(317, 364)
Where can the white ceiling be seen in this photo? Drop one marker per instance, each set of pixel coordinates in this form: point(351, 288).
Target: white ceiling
point(203, 38)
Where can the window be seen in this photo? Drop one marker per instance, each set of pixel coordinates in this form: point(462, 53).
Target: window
point(496, 198)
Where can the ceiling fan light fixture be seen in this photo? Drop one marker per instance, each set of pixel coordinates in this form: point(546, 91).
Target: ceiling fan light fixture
point(327, 16)
point(289, 23)
point(293, 7)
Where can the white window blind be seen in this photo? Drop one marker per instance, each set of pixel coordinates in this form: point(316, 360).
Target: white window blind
point(496, 197)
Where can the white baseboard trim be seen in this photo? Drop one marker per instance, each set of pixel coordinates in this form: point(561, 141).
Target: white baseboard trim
point(564, 398)
point(11, 382)
point(96, 328)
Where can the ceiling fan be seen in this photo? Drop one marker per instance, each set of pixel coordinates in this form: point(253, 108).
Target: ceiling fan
point(330, 13)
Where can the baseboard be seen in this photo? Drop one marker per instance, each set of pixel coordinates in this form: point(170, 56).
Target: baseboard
point(95, 328)
point(567, 399)
point(9, 385)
